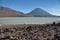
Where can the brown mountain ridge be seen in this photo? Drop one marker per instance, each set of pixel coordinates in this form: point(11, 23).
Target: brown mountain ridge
point(7, 12)
point(38, 12)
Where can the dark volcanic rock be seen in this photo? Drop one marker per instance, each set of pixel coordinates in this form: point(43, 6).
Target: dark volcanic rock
point(29, 28)
point(36, 32)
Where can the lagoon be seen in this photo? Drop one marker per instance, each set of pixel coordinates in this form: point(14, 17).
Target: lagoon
point(28, 20)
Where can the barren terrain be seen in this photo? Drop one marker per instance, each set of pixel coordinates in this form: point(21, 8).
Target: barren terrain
point(30, 32)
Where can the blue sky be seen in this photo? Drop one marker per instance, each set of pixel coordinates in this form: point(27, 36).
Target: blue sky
point(51, 6)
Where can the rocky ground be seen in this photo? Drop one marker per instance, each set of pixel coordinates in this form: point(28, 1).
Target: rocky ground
point(30, 32)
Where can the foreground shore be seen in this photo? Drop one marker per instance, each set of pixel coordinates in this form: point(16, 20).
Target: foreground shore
point(30, 32)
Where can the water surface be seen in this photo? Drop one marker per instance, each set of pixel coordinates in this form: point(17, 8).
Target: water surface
point(28, 20)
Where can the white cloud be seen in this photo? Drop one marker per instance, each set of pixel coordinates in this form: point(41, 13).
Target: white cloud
point(55, 10)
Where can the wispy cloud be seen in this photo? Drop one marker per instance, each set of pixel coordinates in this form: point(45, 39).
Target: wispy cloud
point(55, 10)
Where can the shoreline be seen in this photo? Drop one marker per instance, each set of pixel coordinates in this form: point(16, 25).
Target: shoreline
point(22, 25)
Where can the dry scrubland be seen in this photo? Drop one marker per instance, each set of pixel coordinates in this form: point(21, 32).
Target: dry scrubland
point(30, 32)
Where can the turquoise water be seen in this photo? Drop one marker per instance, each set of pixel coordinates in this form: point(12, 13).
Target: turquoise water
point(28, 20)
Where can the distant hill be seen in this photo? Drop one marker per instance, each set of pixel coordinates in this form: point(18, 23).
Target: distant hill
point(7, 12)
point(39, 13)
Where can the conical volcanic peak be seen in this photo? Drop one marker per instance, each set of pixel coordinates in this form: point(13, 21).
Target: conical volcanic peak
point(39, 12)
